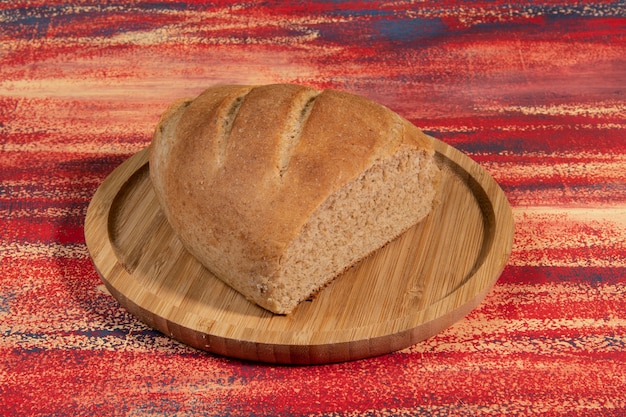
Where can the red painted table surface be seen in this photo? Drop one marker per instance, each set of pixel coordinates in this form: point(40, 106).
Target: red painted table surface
point(535, 93)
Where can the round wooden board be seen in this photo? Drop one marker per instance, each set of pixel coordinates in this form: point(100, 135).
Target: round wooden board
point(414, 287)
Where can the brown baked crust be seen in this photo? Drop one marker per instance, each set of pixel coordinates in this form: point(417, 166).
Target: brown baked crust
point(237, 188)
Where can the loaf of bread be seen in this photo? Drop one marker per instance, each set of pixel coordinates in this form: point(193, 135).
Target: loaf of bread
point(277, 189)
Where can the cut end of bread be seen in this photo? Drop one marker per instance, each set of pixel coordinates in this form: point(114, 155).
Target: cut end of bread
point(361, 217)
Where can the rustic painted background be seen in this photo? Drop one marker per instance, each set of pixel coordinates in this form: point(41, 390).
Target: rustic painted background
point(535, 92)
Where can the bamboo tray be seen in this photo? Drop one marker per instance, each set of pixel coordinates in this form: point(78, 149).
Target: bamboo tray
point(411, 289)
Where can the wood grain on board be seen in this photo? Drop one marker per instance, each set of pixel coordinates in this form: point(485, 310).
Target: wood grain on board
point(412, 288)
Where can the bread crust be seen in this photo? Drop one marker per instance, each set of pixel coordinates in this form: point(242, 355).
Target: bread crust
point(239, 170)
